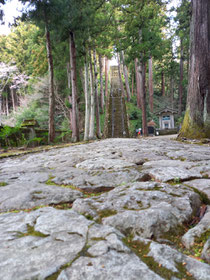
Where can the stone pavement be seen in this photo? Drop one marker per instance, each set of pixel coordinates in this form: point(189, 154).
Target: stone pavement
point(112, 209)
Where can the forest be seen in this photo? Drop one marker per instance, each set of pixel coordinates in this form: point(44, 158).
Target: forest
point(55, 65)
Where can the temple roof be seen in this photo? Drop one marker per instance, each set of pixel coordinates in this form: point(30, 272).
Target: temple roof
point(166, 110)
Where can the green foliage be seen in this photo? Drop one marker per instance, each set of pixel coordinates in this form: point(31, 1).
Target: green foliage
point(25, 46)
point(36, 111)
point(37, 141)
point(64, 136)
point(135, 117)
point(11, 136)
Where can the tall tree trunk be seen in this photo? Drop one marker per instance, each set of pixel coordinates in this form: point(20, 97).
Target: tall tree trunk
point(98, 126)
point(7, 105)
point(151, 90)
point(101, 84)
point(172, 91)
point(120, 76)
point(51, 125)
point(87, 104)
point(163, 83)
point(125, 73)
point(138, 96)
point(181, 77)
point(142, 79)
point(197, 118)
point(75, 116)
point(132, 84)
point(82, 78)
point(106, 76)
point(13, 99)
point(1, 105)
point(92, 103)
point(69, 97)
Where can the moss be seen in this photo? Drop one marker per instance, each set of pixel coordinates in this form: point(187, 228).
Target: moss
point(31, 232)
point(205, 176)
point(16, 152)
point(89, 217)
point(190, 129)
point(105, 213)
point(87, 194)
point(200, 242)
point(204, 198)
point(3, 184)
point(29, 123)
point(141, 250)
point(178, 158)
point(98, 239)
point(182, 159)
point(55, 275)
point(51, 183)
point(156, 188)
point(83, 252)
point(24, 210)
point(38, 192)
point(62, 206)
point(196, 250)
point(175, 236)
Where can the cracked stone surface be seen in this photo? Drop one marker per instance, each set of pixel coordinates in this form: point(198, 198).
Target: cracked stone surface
point(26, 256)
point(170, 258)
point(203, 226)
point(206, 251)
point(203, 185)
point(29, 195)
point(139, 188)
point(144, 208)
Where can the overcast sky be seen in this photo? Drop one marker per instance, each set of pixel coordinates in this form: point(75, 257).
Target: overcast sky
point(13, 9)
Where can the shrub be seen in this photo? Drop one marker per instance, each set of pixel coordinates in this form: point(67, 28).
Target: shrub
point(11, 136)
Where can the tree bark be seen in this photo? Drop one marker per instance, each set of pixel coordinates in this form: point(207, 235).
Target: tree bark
point(87, 104)
point(106, 76)
point(75, 116)
point(1, 105)
point(163, 83)
point(69, 97)
point(101, 85)
point(197, 118)
point(181, 77)
point(82, 78)
point(51, 125)
point(125, 73)
point(142, 79)
point(92, 103)
point(151, 90)
point(172, 91)
point(132, 84)
point(13, 99)
point(138, 96)
point(98, 126)
point(7, 105)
